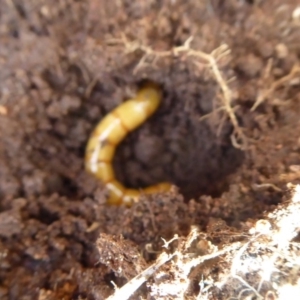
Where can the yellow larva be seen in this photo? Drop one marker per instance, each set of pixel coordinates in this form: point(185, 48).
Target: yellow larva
point(110, 132)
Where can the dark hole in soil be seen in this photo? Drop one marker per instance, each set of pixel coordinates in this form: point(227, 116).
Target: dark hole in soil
point(196, 171)
point(173, 145)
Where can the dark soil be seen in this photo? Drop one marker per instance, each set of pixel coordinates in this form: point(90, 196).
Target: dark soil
point(64, 65)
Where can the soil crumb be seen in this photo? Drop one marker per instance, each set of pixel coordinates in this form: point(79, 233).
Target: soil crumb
point(226, 135)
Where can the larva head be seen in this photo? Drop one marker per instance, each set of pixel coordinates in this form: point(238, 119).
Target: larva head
point(150, 95)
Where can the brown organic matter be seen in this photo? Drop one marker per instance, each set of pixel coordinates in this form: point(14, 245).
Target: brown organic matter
point(226, 135)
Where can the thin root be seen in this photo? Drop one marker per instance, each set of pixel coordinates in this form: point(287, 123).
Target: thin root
point(212, 59)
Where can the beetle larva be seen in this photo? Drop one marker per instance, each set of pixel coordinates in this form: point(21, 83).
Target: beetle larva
point(110, 132)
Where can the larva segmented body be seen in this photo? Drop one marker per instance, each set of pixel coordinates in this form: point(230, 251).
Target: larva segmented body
point(110, 132)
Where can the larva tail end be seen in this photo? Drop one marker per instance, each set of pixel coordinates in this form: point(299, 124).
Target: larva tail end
point(158, 188)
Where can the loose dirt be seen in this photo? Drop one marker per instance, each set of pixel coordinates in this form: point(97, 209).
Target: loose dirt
point(229, 145)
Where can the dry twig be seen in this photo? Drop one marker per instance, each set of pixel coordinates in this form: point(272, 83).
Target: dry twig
point(266, 93)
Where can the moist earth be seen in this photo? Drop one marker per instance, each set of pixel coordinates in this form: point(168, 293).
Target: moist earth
point(66, 64)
